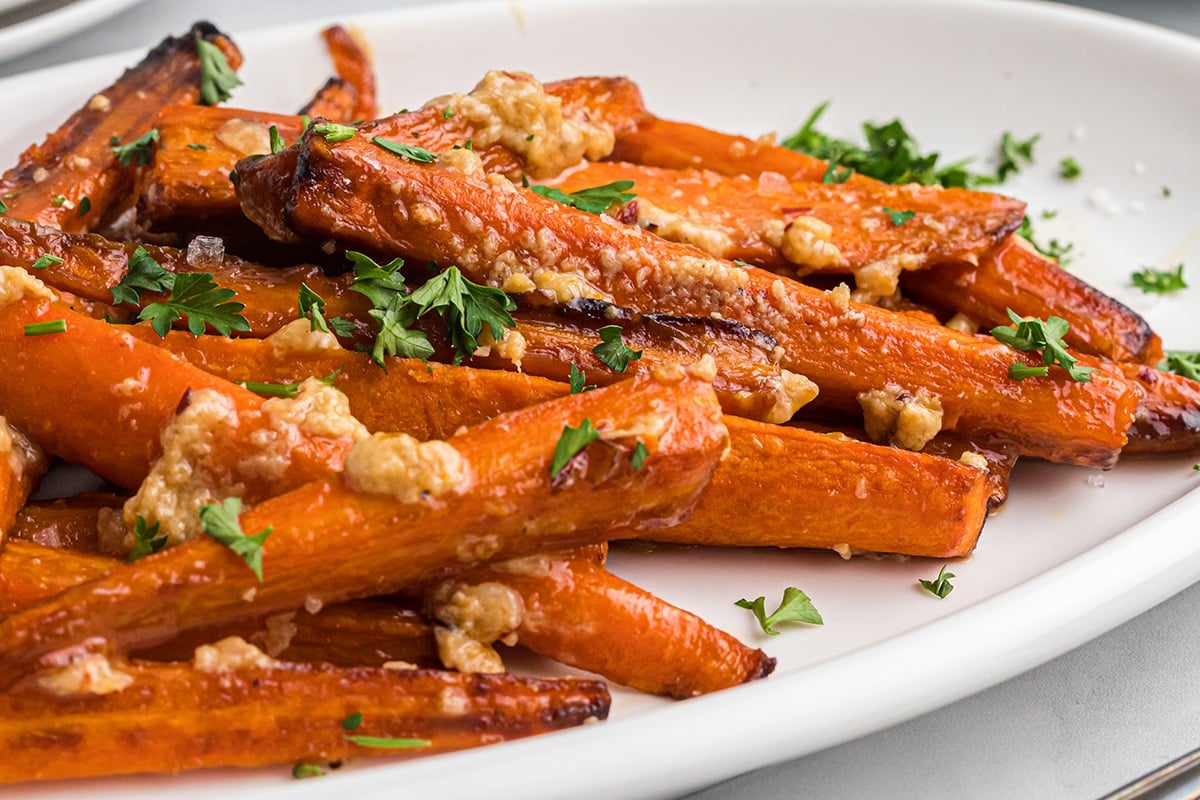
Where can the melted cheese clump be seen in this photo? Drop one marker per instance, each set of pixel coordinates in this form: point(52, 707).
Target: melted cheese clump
point(905, 419)
point(398, 465)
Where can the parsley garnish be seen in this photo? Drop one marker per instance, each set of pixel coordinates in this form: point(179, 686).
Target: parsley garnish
point(1182, 362)
point(466, 307)
point(197, 146)
point(334, 132)
point(1166, 191)
point(85, 205)
point(578, 381)
point(384, 286)
point(613, 351)
point(571, 444)
point(303, 770)
point(142, 274)
point(138, 152)
point(796, 607)
point(639, 456)
point(45, 328)
point(288, 390)
point(899, 217)
point(311, 305)
point(411, 152)
point(940, 585)
point(836, 174)
point(386, 743)
point(45, 260)
point(221, 523)
point(352, 722)
point(1160, 281)
point(447, 113)
point(1035, 335)
point(594, 199)
point(217, 79)
point(197, 296)
point(1069, 169)
point(1012, 153)
point(3, 207)
point(58, 200)
point(146, 540)
point(1059, 251)
point(277, 142)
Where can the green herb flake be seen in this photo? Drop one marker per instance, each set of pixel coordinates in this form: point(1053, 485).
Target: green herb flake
point(142, 273)
point(1166, 191)
point(899, 218)
point(277, 142)
point(3, 207)
point(333, 132)
point(58, 200)
point(466, 307)
point(85, 205)
point(1059, 251)
point(139, 152)
point(1050, 213)
point(196, 296)
point(287, 390)
point(593, 200)
point(197, 146)
point(411, 152)
point(1160, 281)
point(796, 607)
point(46, 328)
point(940, 585)
point(386, 743)
point(1020, 372)
point(447, 113)
point(613, 351)
point(353, 722)
point(571, 443)
point(638, 459)
point(1013, 154)
point(1182, 362)
point(217, 79)
point(221, 523)
point(578, 381)
point(146, 539)
point(1044, 336)
point(45, 260)
point(1069, 169)
point(302, 770)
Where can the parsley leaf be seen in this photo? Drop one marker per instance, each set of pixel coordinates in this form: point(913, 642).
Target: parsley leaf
point(571, 444)
point(899, 217)
point(1182, 362)
point(353, 721)
point(46, 328)
point(1035, 335)
point(311, 305)
point(138, 152)
point(593, 200)
point(615, 354)
point(277, 143)
point(578, 381)
point(143, 273)
point(45, 260)
point(217, 79)
point(796, 607)
point(1059, 251)
point(302, 770)
point(466, 307)
point(334, 132)
point(395, 337)
point(940, 585)
point(1020, 372)
point(85, 205)
point(382, 284)
point(1012, 153)
point(638, 459)
point(386, 743)
point(1160, 281)
point(146, 540)
point(411, 152)
point(221, 523)
point(1069, 169)
point(197, 296)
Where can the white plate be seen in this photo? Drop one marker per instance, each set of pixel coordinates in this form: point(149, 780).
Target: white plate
point(1063, 562)
point(26, 25)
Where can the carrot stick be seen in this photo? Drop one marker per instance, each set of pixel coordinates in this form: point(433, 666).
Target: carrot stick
point(177, 717)
point(68, 523)
point(1168, 419)
point(31, 572)
point(847, 349)
point(334, 542)
point(578, 613)
point(335, 100)
point(352, 64)
point(72, 180)
point(22, 464)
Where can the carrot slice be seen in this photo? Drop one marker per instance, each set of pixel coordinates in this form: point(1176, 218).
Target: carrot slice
point(352, 64)
point(22, 464)
point(1168, 419)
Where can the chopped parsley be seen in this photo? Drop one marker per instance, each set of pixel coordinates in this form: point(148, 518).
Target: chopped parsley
point(45, 260)
point(196, 296)
point(352, 722)
point(594, 200)
point(1182, 362)
point(613, 351)
point(1014, 152)
point(383, 285)
point(571, 443)
point(466, 308)
point(58, 200)
point(940, 585)
point(638, 459)
point(217, 79)
point(795, 607)
point(46, 328)
point(1059, 251)
point(3, 207)
point(303, 770)
point(578, 381)
point(138, 152)
point(411, 152)
point(386, 743)
point(899, 218)
point(333, 132)
point(146, 539)
point(1166, 191)
point(277, 142)
point(1160, 281)
point(287, 390)
point(221, 523)
point(311, 306)
point(447, 113)
point(197, 146)
point(85, 205)
point(1035, 335)
point(143, 273)
point(1069, 169)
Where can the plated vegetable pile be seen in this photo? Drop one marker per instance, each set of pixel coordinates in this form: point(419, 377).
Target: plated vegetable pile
point(372, 396)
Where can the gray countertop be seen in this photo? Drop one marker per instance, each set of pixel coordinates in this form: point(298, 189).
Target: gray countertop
point(1075, 727)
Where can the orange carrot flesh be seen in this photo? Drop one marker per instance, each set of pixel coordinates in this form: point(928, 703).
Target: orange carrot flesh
point(22, 464)
point(1168, 419)
point(177, 717)
point(353, 65)
point(31, 572)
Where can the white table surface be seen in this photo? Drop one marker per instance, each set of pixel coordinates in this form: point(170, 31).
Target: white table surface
point(1076, 727)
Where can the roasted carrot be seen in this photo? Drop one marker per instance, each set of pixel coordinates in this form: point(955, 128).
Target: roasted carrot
point(335, 100)
point(22, 464)
point(352, 64)
point(177, 717)
point(483, 498)
point(73, 179)
point(69, 523)
point(578, 613)
point(873, 231)
point(847, 349)
point(1168, 419)
point(31, 572)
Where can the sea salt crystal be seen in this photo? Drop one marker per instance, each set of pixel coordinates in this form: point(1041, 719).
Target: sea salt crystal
point(1103, 202)
point(206, 251)
point(1096, 480)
